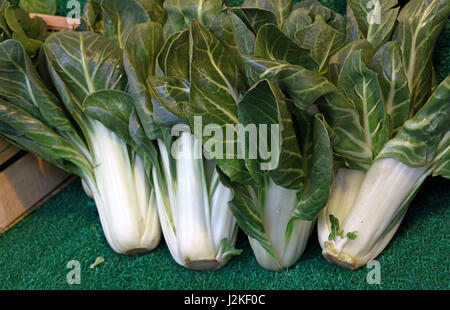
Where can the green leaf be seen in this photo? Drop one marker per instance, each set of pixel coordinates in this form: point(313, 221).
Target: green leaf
point(338, 60)
point(214, 94)
point(316, 9)
point(172, 93)
point(419, 24)
point(124, 14)
point(248, 217)
point(255, 18)
point(417, 142)
point(345, 130)
point(335, 230)
point(272, 44)
point(352, 28)
point(318, 168)
point(234, 34)
point(33, 135)
point(441, 164)
point(360, 85)
point(112, 108)
point(155, 10)
point(21, 85)
point(173, 59)
point(93, 17)
point(181, 13)
point(42, 6)
point(303, 86)
point(280, 8)
point(376, 19)
point(140, 54)
point(387, 63)
point(322, 40)
point(263, 104)
point(298, 19)
point(81, 63)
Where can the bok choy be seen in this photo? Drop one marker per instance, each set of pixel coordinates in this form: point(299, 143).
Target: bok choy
point(396, 134)
point(88, 74)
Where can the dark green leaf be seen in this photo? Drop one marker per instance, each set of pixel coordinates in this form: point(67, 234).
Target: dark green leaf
point(181, 13)
point(387, 63)
point(419, 24)
point(140, 54)
point(124, 14)
point(280, 8)
point(376, 19)
point(39, 6)
point(360, 85)
point(174, 57)
point(417, 142)
point(272, 44)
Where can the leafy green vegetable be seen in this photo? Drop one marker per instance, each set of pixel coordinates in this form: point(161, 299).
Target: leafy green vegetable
point(16, 24)
point(375, 19)
point(41, 6)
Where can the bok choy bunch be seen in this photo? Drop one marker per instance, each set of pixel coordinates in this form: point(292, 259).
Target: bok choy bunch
point(277, 193)
point(397, 127)
point(198, 227)
point(88, 73)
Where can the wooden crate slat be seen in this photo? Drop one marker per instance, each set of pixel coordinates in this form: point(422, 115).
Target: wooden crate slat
point(24, 185)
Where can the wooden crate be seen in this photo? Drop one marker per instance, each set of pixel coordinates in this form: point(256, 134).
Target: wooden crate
point(27, 181)
point(26, 184)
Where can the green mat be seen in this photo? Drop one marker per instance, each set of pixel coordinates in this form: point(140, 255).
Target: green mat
point(34, 254)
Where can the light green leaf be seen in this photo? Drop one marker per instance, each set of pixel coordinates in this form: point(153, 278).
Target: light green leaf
point(387, 63)
point(360, 85)
point(419, 24)
point(376, 19)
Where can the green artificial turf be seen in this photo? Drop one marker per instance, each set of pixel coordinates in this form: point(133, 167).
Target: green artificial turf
point(34, 254)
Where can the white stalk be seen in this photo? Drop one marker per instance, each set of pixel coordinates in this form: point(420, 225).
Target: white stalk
point(375, 214)
point(124, 199)
point(276, 211)
point(193, 208)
